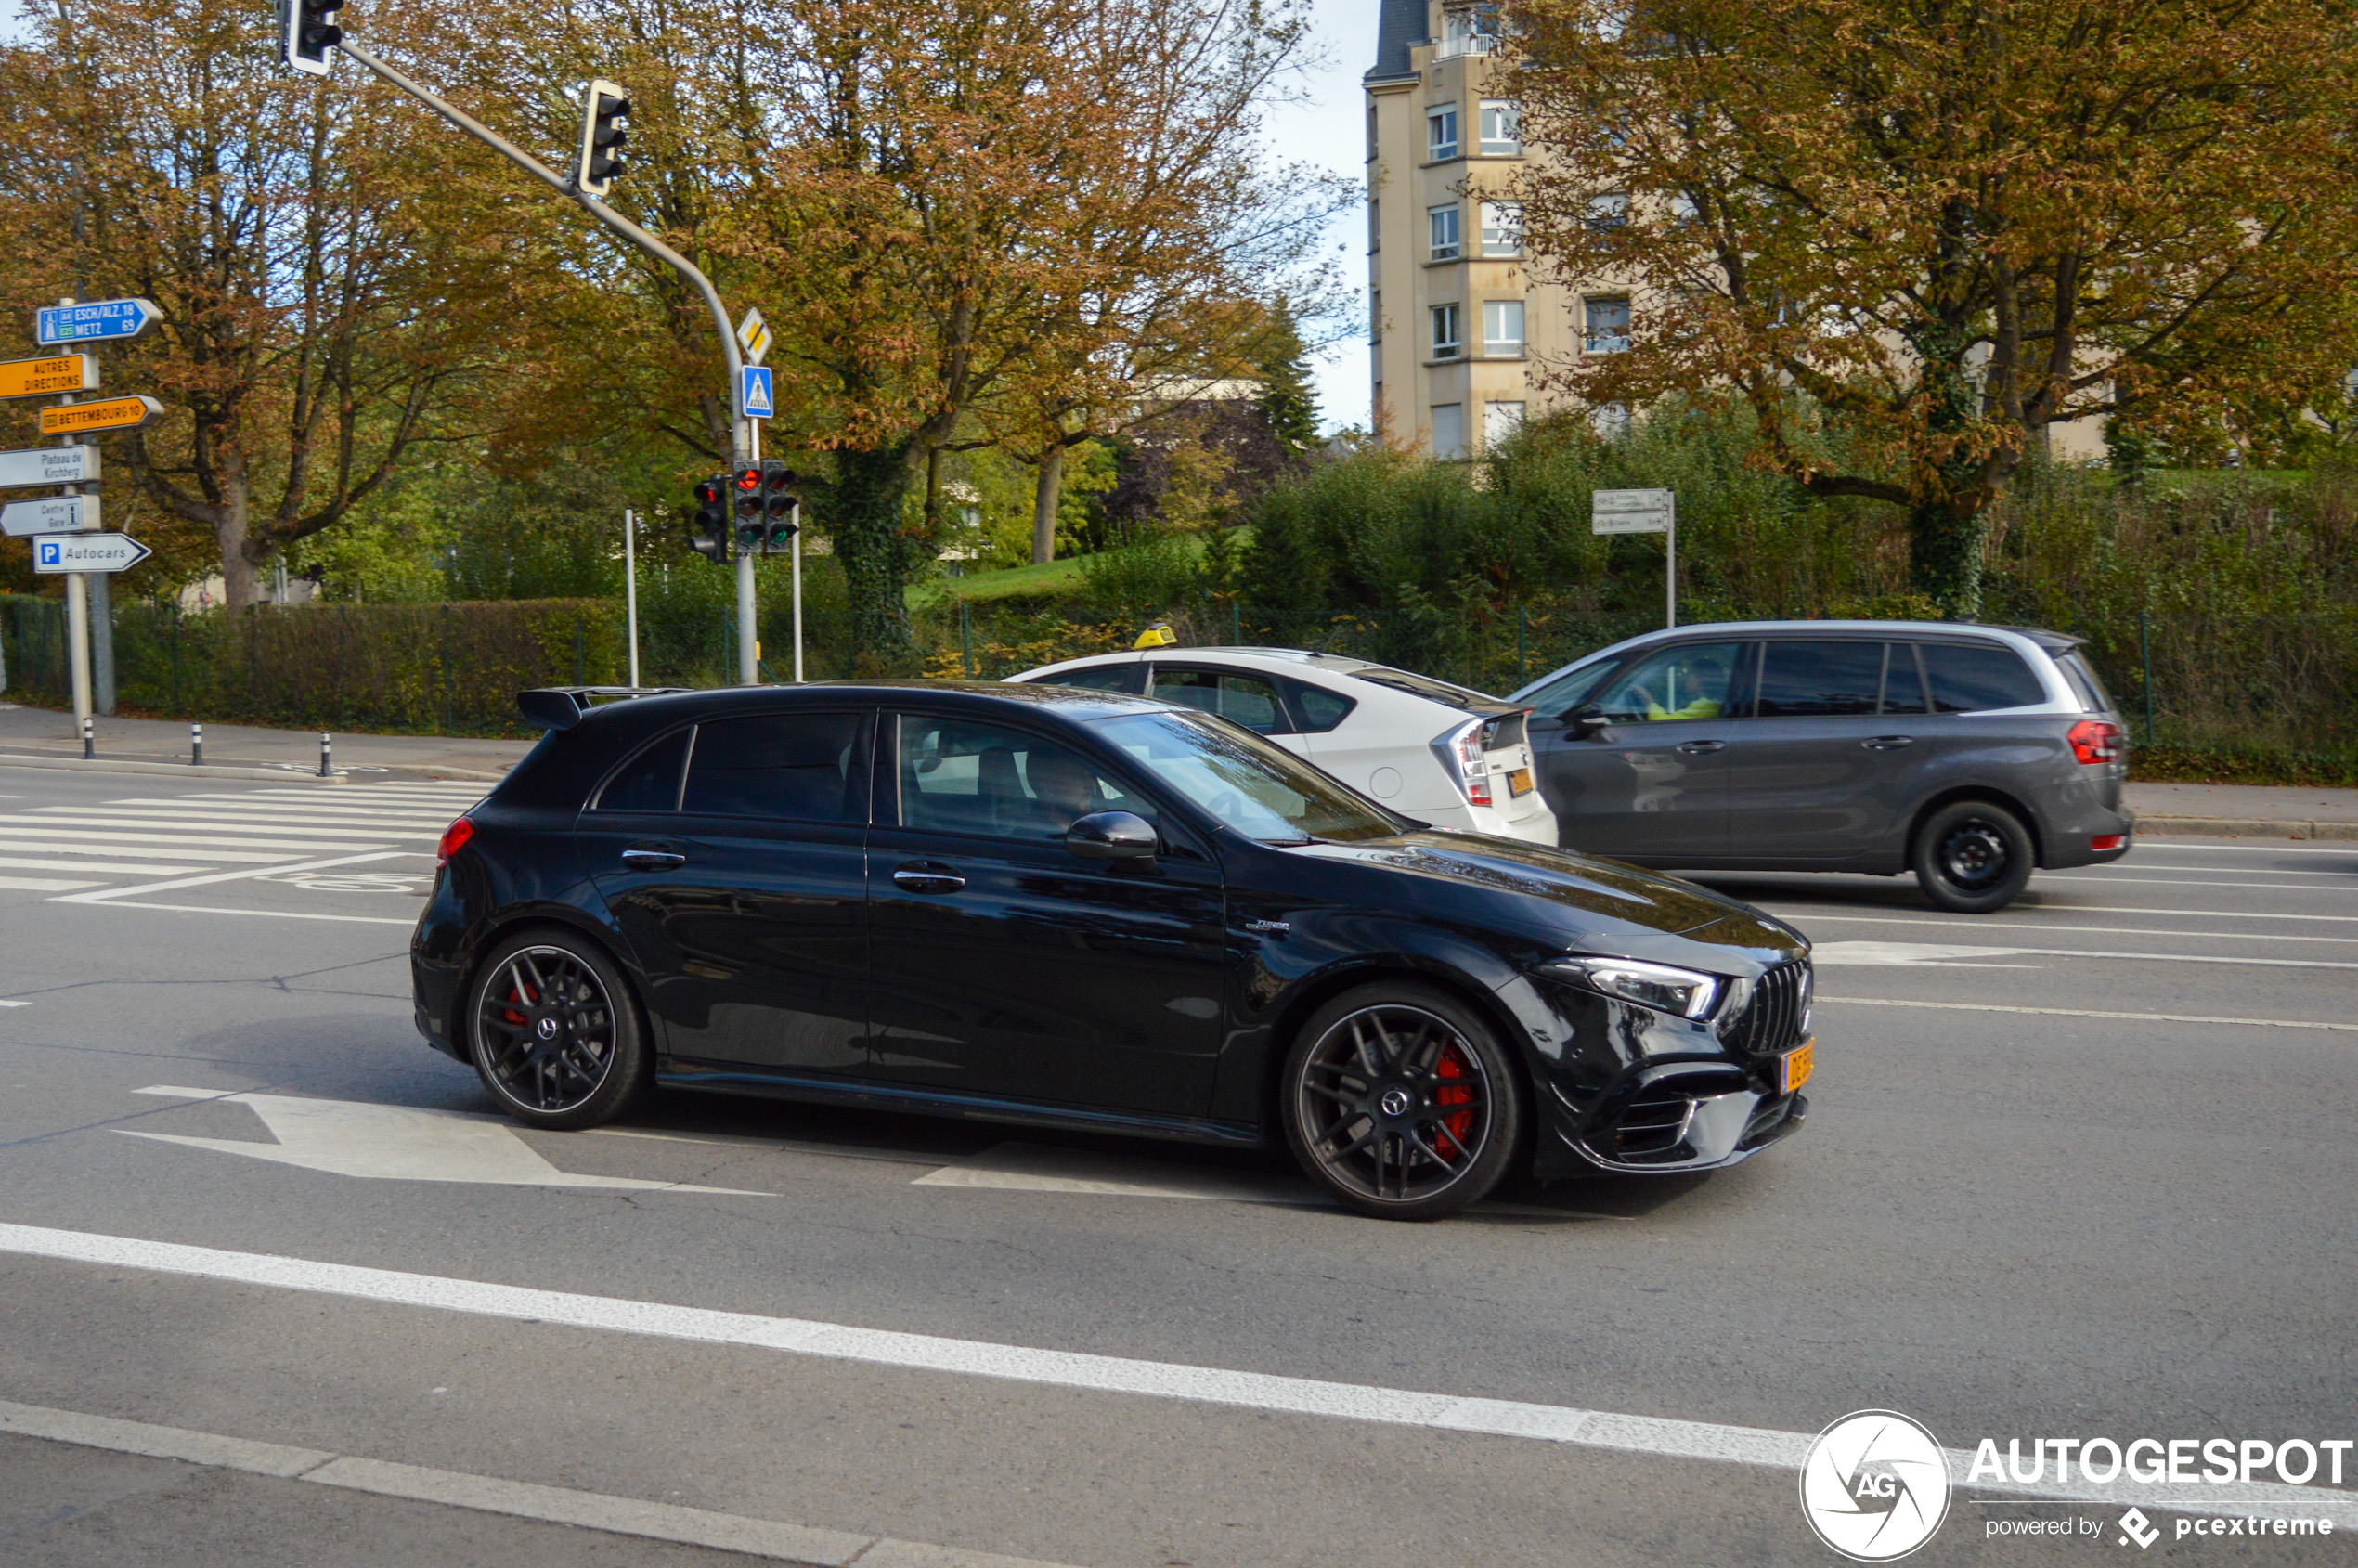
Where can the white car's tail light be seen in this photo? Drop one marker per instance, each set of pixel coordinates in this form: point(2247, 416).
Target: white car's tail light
point(1460, 753)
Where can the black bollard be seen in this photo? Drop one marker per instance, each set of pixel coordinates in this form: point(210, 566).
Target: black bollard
point(195, 745)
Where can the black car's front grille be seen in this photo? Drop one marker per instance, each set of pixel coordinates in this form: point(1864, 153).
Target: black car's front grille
point(1652, 1125)
point(1773, 1017)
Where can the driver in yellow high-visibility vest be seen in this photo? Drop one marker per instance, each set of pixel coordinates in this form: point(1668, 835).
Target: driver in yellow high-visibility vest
point(1700, 678)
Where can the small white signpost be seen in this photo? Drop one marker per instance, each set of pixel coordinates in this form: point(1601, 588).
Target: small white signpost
point(87, 553)
point(1644, 511)
point(49, 465)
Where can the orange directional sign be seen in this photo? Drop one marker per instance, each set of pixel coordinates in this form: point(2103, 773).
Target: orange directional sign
point(111, 413)
point(44, 378)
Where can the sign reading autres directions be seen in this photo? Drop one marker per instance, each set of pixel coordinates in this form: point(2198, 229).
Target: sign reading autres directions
point(48, 377)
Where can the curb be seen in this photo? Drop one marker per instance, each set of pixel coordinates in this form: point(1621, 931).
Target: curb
point(2243, 828)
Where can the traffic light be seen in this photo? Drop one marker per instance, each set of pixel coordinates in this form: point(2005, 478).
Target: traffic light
point(710, 538)
point(306, 31)
point(747, 484)
point(605, 119)
point(780, 501)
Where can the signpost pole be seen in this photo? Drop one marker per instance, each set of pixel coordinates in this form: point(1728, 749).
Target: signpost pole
point(748, 651)
point(1670, 572)
point(797, 593)
point(630, 586)
point(78, 618)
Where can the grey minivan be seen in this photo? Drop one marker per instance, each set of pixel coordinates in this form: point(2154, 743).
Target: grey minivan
point(1967, 754)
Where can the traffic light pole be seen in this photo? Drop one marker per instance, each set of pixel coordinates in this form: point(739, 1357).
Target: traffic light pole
point(738, 425)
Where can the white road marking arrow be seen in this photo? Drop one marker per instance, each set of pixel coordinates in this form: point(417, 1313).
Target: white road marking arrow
point(397, 1143)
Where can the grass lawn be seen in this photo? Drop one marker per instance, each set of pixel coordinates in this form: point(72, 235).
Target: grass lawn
point(1052, 576)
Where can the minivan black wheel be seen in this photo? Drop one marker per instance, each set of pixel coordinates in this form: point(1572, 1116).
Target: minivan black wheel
point(1400, 1101)
point(1973, 857)
point(555, 1033)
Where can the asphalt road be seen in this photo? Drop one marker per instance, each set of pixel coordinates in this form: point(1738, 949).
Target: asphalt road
point(2081, 1169)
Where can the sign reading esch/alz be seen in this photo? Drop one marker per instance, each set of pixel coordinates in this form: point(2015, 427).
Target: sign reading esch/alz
point(96, 321)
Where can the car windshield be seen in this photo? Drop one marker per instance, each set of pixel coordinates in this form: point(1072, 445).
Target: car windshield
point(1250, 786)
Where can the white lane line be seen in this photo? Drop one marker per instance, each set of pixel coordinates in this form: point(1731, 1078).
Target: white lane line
point(2177, 846)
point(259, 914)
point(485, 1494)
point(2206, 882)
point(197, 833)
point(1021, 1167)
point(4, 1003)
point(149, 852)
point(2083, 1013)
point(108, 815)
point(1100, 1374)
point(240, 809)
point(42, 885)
point(113, 894)
point(1935, 953)
point(115, 868)
point(2203, 913)
point(2051, 925)
point(251, 841)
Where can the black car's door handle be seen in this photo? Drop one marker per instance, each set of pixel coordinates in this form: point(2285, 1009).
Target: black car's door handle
point(927, 876)
point(1701, 749)
point(638, 858)
point(1887, 743)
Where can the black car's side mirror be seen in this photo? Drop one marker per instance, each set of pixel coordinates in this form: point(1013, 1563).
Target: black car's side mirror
point(1112, 835)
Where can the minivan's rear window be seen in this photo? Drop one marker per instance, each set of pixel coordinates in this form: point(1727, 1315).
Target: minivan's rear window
point(1801, 679)
point(1976, 677)
point(2084, 684)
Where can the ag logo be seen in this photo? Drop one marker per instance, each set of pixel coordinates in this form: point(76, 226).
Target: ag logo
point(1874, 1486)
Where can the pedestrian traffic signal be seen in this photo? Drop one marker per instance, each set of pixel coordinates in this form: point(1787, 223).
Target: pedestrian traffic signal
point(710, 535)
point(781, 500)
point(605, 120)
point(306, 31)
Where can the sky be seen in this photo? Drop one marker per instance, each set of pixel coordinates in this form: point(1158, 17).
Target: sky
point(1323, 127)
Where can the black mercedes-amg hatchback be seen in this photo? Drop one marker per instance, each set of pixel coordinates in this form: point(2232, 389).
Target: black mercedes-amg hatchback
point(1079, 909)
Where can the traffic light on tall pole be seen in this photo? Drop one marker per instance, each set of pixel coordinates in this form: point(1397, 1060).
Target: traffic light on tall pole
point(748, 507)
point(781, 503)
point(307, 30)
point(711, 535)
point(605, 127)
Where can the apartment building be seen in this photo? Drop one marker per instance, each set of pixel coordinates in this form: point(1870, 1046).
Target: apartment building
point(1457, 321)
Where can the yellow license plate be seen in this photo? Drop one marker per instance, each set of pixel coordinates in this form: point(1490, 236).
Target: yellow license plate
point(1519, 782)
point(1795, 1067)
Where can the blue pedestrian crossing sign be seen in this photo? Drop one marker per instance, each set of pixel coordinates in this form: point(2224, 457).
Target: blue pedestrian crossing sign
point(753, 393)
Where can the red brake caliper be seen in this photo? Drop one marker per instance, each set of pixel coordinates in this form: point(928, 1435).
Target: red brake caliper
point(517, 994)
point(1460, 1124)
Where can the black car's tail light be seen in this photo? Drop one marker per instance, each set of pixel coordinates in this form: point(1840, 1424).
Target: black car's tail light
point(454, 839)
point(2094, 740)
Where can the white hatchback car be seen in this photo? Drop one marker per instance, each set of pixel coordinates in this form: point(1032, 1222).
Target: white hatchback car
point(1439, 753)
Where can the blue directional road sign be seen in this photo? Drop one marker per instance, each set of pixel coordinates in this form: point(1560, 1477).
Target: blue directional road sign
point(755, 393)
point(94, 321)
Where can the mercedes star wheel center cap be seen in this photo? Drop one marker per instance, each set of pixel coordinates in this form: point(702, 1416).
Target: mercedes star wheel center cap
point(1396, 1102)
point(548, 1027)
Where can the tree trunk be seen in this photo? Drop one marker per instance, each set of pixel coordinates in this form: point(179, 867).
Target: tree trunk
point(869, 492)
point(1044, 504)
point(240, 579)
point(1944, 525)
point(1944, 557)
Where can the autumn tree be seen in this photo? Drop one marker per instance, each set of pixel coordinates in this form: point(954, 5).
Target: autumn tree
point(997, 218)
point(326, 289)
point(1915, 235)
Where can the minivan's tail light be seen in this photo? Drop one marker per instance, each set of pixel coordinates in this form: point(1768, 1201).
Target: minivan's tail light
point(1460, 753)
point(454, 839)
point(2094, 740)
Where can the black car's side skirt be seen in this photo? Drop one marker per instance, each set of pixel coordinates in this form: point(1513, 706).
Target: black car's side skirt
point(680, 1074)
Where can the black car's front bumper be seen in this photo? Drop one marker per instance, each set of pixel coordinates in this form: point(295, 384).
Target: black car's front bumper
point(1625, 1088)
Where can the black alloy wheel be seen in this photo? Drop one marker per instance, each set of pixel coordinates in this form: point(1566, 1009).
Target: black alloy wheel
point(1973, 857)
point(556, 1035)
point(1399, 1100)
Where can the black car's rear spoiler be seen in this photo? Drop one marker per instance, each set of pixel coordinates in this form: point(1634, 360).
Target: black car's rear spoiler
point(560, 708)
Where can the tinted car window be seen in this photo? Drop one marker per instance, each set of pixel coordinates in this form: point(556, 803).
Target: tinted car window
point(1975, 676)
point(1569, 691)
point(1315, 709)
point(1688, 680)
point(957, 776)
point(1903, 684)
point(1243, 699)
point(784, 766)
point(1257, 789)
point(649, 782)
point(1130, 678)
point(1815, 679)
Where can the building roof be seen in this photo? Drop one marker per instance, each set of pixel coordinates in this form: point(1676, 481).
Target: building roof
point(1399, 24)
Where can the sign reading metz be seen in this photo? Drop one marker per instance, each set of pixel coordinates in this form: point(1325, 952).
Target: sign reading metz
point(136, 412)
point(87, 553)
point(46, 378)
point(93, 321)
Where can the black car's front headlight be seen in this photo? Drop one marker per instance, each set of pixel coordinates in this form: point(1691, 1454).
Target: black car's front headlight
point(1666, 988)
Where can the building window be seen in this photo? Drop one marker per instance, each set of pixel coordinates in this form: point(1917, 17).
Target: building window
point(1449, 430)
point(1607, 210)
point(1608, 325)
point(1371, 133)
point(1502, 229)
point(1502, 329)
point(1443, 225)
point(1375, 315)
point(1440, 133)
point(1501, 129)
point(1499, 421)
point(1375, 226)
point(1683, 208)
point(1446, 343)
